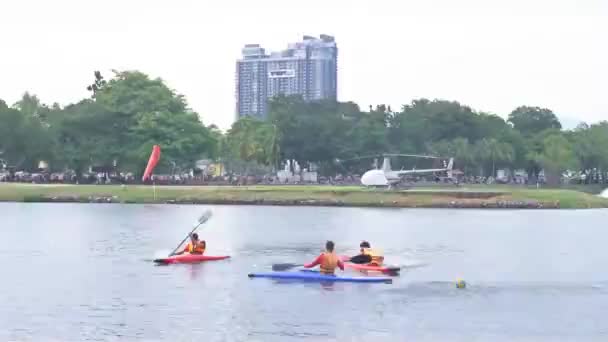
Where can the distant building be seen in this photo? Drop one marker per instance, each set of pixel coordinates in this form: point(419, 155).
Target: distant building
point(308, 68)
point(209, 168)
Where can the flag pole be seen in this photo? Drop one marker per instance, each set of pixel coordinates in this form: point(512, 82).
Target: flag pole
point(154, 187)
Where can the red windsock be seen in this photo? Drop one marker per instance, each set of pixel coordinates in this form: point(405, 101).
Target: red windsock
point(154, 157)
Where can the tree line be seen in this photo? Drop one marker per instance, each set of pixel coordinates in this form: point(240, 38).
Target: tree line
point(116, 127)
point(326, 132)
point(127, 114)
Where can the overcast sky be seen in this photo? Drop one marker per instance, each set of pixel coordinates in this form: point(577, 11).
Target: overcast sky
point(491, 55)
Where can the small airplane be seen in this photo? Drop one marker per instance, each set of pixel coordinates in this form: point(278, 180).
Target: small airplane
point(386, 177)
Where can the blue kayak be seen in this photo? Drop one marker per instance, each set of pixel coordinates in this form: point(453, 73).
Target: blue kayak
point(315, 276)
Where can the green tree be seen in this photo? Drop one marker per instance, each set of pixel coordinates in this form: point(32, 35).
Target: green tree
point(24, 138)
point(127, 115)
point(464, 154)
point(252, 140)
point(590, 144)
point(491, 125)
point(31, 107)
point(445, 120)
point(406, 132)
point(85, 134)
point(130, 112)
point(534, 145)
point(145, 112)
point(310, 131)
point(493, 152)
point(367, 133)
point(556, 157)
point(98, 84)
point(519, 145)
point(182, 137)
point(12, 126)
point(422, 122)
point(533, 120)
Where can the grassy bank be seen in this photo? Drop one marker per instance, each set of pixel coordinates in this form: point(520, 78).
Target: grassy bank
point(448, 197)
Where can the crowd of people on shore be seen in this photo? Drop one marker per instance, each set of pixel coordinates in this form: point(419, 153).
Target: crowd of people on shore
point(590, 177)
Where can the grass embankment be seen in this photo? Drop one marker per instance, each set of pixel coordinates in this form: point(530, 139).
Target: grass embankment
point(447, 197)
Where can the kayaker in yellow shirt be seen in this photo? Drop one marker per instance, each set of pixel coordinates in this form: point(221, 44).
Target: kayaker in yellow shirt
point(368, 255)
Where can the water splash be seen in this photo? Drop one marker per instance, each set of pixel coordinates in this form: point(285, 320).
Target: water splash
point(161, 254)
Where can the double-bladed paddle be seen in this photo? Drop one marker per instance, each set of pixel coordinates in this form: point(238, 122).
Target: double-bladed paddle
point(285, 266)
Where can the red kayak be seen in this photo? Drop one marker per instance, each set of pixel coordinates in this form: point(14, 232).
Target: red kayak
point(189, 259)
point(363, 267)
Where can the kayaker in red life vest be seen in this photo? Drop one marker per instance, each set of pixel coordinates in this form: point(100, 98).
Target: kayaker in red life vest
point(327, 261)
point(195, 246)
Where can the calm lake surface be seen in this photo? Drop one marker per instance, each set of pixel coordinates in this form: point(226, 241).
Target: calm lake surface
point(75, 272)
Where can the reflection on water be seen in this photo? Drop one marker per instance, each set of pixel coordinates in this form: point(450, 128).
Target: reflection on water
point(78, 272)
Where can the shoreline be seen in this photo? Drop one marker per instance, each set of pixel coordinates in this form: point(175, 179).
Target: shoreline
point(476, 197)
point(454, 204)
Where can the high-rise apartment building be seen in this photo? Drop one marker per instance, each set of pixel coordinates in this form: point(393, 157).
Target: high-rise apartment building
point(308, 68)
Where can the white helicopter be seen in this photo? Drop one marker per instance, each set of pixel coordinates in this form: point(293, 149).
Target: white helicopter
point(386, 177)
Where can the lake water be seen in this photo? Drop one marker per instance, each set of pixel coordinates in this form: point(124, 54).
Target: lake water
point(76, 272)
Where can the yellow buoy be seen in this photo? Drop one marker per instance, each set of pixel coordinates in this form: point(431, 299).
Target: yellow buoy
point(461, 284)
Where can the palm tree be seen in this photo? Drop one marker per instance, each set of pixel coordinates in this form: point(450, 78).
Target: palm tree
point(463, 152)
point(253, 140)
point(241, 140)
point(267, 144)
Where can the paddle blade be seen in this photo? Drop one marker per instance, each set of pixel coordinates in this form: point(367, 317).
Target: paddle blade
point(204, 218)
point(161, 261)
point(415, 265)
point(392, 271)
point(283, 267)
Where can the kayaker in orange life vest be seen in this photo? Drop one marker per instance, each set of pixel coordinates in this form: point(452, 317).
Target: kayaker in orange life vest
point(195, 246)
point(327, 261)
point(367, 256)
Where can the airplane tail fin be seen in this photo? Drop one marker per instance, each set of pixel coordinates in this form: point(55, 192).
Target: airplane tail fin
point(450, 167)
point(386, 164)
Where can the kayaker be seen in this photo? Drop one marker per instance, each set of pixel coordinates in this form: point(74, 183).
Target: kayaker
point(327, 261)
point(195, 246)
point(368, 255)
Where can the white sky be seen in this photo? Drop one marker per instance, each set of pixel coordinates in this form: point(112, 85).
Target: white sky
point(491, 55)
